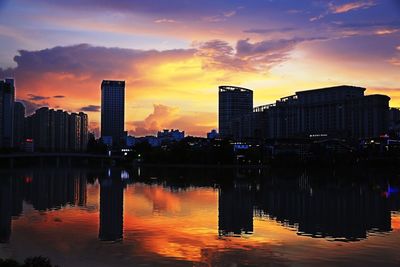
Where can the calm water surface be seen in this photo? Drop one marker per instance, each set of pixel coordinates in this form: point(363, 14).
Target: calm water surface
point(200, 216)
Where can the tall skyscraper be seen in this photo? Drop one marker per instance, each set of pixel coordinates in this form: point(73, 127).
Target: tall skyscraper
point(113, 110)
point(7, 98)
point(234, 102)
point(19, 119)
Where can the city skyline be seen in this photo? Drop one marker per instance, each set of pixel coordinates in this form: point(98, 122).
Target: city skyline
point(173, 56)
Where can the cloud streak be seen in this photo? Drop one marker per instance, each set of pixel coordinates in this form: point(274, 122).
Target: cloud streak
point(338, 9)
point(90, 108)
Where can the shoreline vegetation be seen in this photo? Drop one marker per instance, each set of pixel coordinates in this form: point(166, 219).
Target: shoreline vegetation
point(29, 262)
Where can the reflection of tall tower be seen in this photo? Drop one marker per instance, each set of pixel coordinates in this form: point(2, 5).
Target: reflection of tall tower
point(111, 206)
point(235, 210)
point(5, 210)
point(80, 190)
point(17, 195)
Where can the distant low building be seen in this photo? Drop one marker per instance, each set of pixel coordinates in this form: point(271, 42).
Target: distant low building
point(153, 141)
point(130, 141)
point(170, 135)
point(213, 134)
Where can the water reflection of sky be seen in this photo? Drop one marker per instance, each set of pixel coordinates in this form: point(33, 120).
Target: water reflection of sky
point(63, 216)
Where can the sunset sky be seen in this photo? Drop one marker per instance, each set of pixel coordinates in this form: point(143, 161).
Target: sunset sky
point(174, 54)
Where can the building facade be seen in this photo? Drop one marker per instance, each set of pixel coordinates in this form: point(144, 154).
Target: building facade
point(74, 132)
point(113, 110)
point(19, 124)
point(170, 135)
point(337, 112)
point(7, 98)
point(234, 102)
point(56, 130)
point(84, 131)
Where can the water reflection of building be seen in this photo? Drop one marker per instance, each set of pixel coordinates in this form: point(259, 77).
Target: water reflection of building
point(54, 189)
point(235, 209)
point(339, 213)
point(111, 206)
point(44, 190)
point(5, 209)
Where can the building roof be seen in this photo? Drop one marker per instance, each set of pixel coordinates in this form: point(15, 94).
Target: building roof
point(225, 88)
point(333, 88)
point(112, 83)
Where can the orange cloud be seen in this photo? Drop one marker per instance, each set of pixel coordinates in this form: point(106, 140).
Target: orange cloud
point(351, 6)
point(166, 117)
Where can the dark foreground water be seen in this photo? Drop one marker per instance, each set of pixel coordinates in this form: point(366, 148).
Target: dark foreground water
point(200, 216)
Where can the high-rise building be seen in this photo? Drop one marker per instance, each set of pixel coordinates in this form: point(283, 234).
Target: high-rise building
point(19, 119)
point(7, 98)
point(41, 129)
point(234, 102)
point(56, 130)
point(74, 132)
point(61, 130)
point(84, 131)
point(113, 110)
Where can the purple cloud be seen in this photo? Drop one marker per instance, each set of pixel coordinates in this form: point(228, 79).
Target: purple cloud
point(91, 108)
point(33, 97)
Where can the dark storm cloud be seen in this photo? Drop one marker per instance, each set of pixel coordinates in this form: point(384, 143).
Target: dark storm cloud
point(84, 59)
point(33, 97)
point(91, 108)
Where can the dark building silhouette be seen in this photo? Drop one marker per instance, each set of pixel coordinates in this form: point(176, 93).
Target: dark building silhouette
point(19, 126)
point(234, 102)
point(56, 130)
point(111, 206)
point(17, 195)
point(235, 209)
point(340, 111)
point(55, 189)
point(41, 132)
point(113, 110)
point(335, 112)
point(7, 98)
point(84, 131)
point(74, 128)
point(61, 129)
point(5, 210)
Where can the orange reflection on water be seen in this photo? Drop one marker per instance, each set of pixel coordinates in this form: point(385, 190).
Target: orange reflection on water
point(396, 221)
point(174, 224)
